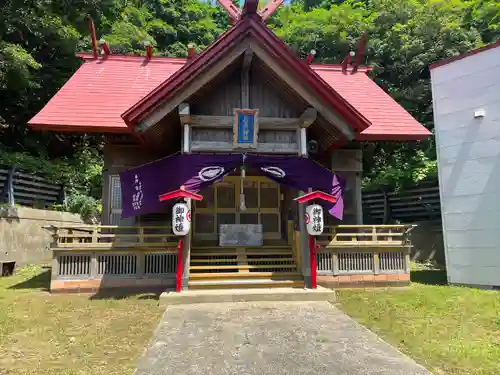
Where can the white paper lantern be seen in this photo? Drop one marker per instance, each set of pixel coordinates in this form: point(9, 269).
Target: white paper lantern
point(314, 219)
point(181, 219)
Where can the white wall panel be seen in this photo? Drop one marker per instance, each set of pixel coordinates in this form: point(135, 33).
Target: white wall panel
point(469, 165)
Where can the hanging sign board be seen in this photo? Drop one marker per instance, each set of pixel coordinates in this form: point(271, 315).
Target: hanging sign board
point(246, 128)
point(314, 219)
point(181, 219)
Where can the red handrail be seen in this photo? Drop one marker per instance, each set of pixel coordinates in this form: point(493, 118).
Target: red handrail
point(312, 251)
point(178, 276)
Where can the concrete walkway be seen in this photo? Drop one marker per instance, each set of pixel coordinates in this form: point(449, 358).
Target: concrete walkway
point(275, 338)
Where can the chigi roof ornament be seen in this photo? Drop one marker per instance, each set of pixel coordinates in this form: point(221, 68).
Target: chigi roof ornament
point(360, 51)
point(250, 7)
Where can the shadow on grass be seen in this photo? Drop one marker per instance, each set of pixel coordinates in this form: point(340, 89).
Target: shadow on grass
point(40, 281)
point(117, 294)
point(429, 277)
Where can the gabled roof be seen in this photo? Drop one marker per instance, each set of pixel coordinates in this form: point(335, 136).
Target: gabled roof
point(253, 28)
point(104, 91)
point(389, 120)
point(98, 93)
point(464, 55)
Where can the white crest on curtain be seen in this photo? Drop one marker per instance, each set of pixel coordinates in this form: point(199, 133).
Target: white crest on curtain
point(138, 195)
point(210, 173)
point(274, 171)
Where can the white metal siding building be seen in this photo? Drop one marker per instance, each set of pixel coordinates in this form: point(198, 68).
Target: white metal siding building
point(466, 99)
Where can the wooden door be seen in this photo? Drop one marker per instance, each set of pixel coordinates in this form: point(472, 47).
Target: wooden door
point(221, 205)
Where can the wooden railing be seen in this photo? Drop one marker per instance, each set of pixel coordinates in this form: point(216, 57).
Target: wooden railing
point(111, 236)
point(364, 250)
point(345, 236)
point(89, 257)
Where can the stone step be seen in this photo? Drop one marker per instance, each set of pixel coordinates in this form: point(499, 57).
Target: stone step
point(250, 266)
point(248, 275)
point(245, 283)
point(246, 295)
point(215, 252)
point(195, 260)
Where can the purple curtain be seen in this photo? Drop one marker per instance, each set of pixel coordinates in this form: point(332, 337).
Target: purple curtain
point(301, 173)
point(142, 186)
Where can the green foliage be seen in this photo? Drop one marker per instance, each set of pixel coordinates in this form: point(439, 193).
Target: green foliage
point(82, 177)
point(169, 25)
point(404, 38)
point(89, 208)
point(38, 40)
point(84, 171)
point(16, 67)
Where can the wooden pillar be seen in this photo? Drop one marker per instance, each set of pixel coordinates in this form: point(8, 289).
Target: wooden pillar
point(306, 120)
point(185, 117)
point(245, 79)
point(304, 245)
point(349, 165)
point(359, 198)
point(186, 254)
point(8, 189)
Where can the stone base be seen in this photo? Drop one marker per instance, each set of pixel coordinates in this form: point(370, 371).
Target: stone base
point(122, 285)
point(246, 295)
point(364, 281)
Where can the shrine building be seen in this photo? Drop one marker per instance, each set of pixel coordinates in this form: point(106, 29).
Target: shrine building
point(238, 142)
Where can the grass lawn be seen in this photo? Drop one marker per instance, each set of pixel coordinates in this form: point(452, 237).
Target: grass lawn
point(70, 334)
point(449, 330)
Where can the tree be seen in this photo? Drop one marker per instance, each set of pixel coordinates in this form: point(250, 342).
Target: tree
point(404, 38)
point(168, 24)
point(39, 38)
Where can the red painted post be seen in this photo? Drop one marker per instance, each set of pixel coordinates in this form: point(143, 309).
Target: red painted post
point(312, 251)
point(178, 276)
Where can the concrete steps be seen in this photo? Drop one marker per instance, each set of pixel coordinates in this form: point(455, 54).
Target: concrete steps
point(246, 295)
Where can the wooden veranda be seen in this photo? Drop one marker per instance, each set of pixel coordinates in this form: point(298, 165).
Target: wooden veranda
point(88, 258)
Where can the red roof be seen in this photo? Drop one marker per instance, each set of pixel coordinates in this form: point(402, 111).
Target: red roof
point(464, 55)
point(98, 93)
point(102, 91)
point(253, 27)
point(389, 121)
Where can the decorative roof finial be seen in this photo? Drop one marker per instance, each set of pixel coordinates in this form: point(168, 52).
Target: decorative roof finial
point(250, 6)
point(149, 49)
point(93, 36)
point(270, 8)
point(105, 46)
point(310, 57)
point(359, 53)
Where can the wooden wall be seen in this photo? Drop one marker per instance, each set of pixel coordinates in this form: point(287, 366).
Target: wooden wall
point(349, 165)
point(221, 98)
point(119, 158)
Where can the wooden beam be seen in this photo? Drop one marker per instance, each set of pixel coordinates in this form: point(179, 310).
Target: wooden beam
point(308, 117)
point(303, 91)
point(247, 60)
point(273, 123)
point(245, 79)
point(184, 113)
